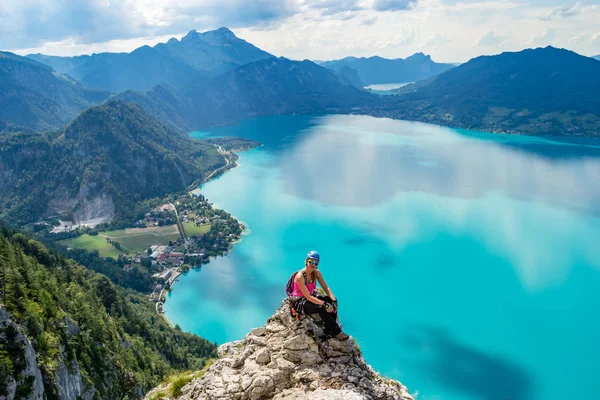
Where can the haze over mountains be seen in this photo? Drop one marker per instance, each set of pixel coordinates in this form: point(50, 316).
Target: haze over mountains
point(375, 70)
point(174, 63)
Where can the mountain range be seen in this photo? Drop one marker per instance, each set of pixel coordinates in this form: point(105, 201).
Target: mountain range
point(107, 159)
point(174, 63)
point(535, 91)
point(35, 97)
point(265, 87)
point(374, 70)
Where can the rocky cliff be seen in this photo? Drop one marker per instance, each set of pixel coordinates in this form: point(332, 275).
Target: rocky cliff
point(288, 359)
point(27, 380)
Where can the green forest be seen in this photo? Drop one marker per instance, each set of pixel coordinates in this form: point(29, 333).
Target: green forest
point(122, 346)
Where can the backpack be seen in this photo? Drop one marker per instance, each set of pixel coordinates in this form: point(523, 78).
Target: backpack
point(289, 290)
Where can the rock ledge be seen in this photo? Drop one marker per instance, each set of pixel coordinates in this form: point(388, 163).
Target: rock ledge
point(288, 359)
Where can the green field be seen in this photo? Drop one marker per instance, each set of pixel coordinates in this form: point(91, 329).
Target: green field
point(191, 229)
point(90, 243)
point(133, 240)
point(138, 240)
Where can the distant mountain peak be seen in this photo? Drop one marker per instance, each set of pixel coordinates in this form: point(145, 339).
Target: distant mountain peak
point(376, 69)
point(191, 35)
point(221, 34)
point(223, 30)
point(419, 57)
point(175, 63)
point(144, 48)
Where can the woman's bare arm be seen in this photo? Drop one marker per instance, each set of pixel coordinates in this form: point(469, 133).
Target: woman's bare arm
point(300, 281)
point(323, 284)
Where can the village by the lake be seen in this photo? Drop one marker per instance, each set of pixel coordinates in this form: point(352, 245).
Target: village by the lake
point(162, 238)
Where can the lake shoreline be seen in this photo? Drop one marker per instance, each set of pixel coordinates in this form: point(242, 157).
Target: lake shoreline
point(232, 164)
point(444, 216)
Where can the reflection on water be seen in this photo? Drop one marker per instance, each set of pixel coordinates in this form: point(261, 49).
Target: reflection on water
point(387, 86)
point(491, 239)
point(337, 164)
point(344, 167)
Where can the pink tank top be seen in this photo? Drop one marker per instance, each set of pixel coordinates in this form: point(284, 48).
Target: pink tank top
point(309, 286)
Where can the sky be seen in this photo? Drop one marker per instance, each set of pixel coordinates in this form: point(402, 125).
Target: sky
point(448, 30)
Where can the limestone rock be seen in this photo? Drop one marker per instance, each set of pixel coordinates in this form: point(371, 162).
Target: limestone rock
point(259, 331)
point(66, 380)
point(30, 374)
point(72, 327)
point(263, 357)
point(287, 359)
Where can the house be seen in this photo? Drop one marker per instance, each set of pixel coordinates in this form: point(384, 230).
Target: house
point(157, 251)
point(171, 258)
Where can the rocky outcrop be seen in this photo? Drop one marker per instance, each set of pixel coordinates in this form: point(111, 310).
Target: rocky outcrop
point(26, 381)
point(290, 359)
point(68, 382)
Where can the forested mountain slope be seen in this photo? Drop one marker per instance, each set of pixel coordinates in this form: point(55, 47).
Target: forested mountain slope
point(35, 97)
point(266, 87)
point(99, 166)
point(66, 332)
point(535, 91)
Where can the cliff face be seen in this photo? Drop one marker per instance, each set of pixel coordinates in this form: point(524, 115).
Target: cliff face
point(288, 359)
point(27, 381)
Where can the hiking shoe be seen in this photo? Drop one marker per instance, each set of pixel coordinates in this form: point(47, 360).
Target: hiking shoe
point(341, 336)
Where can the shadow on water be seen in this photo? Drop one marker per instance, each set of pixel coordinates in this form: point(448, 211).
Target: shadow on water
point(468, 370)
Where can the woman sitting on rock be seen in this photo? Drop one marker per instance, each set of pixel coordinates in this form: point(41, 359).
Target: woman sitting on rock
point(305, 301)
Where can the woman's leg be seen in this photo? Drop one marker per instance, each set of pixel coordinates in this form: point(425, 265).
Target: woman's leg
point(328, 299)
point(329, 319)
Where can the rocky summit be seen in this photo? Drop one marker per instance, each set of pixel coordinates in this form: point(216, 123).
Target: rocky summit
point(290, 359)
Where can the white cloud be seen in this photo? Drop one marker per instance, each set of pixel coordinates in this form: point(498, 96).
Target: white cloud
point(394, 5)
point(435, 41)
point(27, 23)
point(490, 39)
point(369, 22)
point(564, 11)
point(332, 7)
point(546, 39)
point(299, 29)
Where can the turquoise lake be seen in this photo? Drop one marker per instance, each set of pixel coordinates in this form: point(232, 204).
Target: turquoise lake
point(466, 264)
